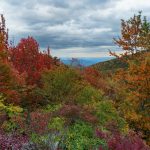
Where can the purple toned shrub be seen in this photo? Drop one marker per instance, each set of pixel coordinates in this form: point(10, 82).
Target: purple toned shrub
point(12, 141)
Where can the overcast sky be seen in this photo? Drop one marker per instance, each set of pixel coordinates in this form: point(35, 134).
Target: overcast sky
point(72, 28)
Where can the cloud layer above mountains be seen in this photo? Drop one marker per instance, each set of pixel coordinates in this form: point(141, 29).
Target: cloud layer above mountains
point(72, 28)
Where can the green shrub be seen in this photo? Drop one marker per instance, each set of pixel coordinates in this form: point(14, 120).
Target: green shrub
point(60, 85)
point(56, 123)
point(89, 94)
point(81, 136)
point(51, 139)
point(107, 113)
point(10, 112)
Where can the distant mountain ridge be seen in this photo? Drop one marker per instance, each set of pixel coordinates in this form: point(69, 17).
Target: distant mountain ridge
point(114, 64)
point(84, 61)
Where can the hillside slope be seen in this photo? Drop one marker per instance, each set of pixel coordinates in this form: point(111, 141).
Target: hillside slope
point(109, 66)
point(114, 64)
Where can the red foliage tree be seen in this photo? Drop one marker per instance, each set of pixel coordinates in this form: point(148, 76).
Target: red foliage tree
point(8, 75)
point(27, 59)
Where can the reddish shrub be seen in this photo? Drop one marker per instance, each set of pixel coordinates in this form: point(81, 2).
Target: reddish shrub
point(73, 112)
point(120, 142)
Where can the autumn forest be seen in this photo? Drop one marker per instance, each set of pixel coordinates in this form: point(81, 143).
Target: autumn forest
point(47, 105)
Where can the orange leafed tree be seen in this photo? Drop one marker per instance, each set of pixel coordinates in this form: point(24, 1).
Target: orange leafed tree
point(134, 36)
point(134, 83)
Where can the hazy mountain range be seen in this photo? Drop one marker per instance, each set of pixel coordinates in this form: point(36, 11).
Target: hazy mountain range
point(84, 61)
